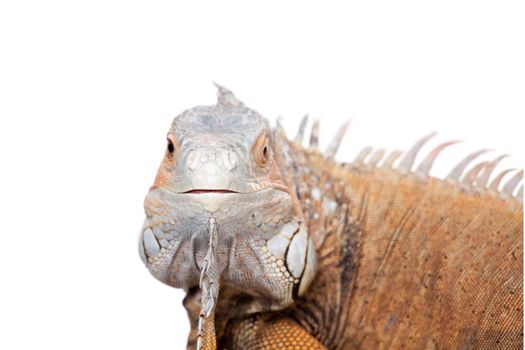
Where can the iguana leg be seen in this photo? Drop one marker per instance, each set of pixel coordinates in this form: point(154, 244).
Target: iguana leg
point(269, 332)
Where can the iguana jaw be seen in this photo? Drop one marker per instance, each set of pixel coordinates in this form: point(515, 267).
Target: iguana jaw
point(254, 229)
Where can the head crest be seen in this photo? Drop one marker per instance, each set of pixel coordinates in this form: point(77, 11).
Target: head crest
point(226, 98)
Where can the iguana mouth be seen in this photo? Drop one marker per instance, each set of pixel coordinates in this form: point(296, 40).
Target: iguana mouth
point(200, 191)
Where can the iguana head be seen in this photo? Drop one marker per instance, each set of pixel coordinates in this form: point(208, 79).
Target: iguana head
point(222, 210)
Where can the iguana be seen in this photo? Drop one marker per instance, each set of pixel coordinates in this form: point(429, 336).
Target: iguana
point(281, 247)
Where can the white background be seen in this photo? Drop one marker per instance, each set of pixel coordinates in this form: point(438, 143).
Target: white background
point(89, 89)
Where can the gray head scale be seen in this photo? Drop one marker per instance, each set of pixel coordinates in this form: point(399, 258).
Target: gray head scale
point(221, 211)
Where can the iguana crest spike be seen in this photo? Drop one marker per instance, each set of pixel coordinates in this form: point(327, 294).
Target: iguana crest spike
point(485, 175)
point(226, 98)
point(423, 169)
point(300, 132)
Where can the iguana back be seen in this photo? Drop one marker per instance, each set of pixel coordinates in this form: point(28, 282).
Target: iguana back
point(409, 261)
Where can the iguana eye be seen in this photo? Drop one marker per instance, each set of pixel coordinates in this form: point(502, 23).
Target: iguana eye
point(171, 148)
point(261, 150)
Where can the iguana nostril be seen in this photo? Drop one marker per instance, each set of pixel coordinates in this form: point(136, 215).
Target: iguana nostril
point(192, 160)
point(230, 160)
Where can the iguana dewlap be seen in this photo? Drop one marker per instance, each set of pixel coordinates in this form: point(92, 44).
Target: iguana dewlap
point(280, 247)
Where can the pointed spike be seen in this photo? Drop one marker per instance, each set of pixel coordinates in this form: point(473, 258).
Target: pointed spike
point(511, 185)
point(424, 168)
point(456, 173)
point(302, 127)
point(279, 123)
point(494, 185)
point(391, 159)
point(519, 195)
point(279, 127)
point(331, 151)
point(485, 174)
point(408, 160)
point(471, 176)
point(360, 159)
point(376, 157)
point(314, 136)
point(226, 98)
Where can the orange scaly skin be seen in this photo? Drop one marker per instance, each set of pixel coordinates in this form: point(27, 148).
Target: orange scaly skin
point(403, 263)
